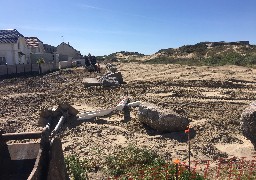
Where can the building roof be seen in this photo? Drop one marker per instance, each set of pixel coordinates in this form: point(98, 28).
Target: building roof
point(33, 41)
point(65, 44)
point(9, 36)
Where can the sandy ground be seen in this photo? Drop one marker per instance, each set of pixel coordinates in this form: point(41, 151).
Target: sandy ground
point(213, 98)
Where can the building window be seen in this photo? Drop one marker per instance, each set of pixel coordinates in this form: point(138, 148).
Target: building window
point(2, 61)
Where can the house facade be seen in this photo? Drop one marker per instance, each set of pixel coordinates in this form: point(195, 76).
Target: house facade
point(65, 49)
point(13, 48)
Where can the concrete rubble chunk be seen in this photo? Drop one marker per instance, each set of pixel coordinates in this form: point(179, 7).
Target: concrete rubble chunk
point(116, 75)
point(108, 82)
point(50, 115)
point(111, 79)
point(248, 123)
point(162, 120)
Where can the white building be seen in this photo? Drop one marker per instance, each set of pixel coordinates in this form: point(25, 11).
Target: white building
point(13, 48)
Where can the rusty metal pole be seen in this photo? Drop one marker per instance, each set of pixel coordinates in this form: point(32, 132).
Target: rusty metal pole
point(189, 151)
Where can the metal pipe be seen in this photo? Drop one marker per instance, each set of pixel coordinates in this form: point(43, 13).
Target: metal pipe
point(57, 127)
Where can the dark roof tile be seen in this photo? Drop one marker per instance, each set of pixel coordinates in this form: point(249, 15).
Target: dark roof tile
point(9, 36)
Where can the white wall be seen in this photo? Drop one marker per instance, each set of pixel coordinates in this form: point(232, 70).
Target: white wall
point(6, 50)
point(65, 64)
point(24, 49)
point(81, 60)
point(10, 52)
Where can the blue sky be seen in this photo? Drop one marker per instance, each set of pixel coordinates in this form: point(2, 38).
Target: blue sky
point(101, 27)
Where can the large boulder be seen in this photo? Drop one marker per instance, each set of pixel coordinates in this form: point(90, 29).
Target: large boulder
point(248, 122)
point(116, 75)
point(111, 81)
point(162, 120)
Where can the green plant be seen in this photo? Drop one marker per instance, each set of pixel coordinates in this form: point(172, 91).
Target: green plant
point(135, 163)
point(131, 158)
point(40, 61)
point(77, 169)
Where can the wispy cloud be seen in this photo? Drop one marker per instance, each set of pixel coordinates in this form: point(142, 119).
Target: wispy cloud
point(86, 6)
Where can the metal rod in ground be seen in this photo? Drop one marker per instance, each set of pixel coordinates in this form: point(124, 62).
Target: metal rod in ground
point(177, 171)
point(189, 150)
point(57, 127)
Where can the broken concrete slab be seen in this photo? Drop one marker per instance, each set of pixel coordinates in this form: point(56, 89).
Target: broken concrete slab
point(91, 82)
point(162, 120)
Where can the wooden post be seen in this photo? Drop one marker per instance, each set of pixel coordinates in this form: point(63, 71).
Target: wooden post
point(20, 136)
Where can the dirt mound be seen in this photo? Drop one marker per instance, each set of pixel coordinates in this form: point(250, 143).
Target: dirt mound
point(213, 99)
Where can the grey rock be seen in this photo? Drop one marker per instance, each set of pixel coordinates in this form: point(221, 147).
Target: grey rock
point(116, 75)
point(111, 79)
point(108, 82)
point(162, 120)
point(248, 122)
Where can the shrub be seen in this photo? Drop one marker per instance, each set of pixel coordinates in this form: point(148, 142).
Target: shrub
point(77, 169)
point(135, 163)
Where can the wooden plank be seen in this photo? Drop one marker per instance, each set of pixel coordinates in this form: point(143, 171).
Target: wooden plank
point(20, 136)
point(20, 151)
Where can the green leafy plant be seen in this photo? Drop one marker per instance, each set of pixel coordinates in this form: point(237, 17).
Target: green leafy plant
point(77, 169)
point(40, 61)
point(133, 162)
point(131, 158)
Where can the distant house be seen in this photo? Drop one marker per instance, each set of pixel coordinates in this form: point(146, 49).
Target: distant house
point(49, 48)
point(13, 48)
point(65, 49)
point(35, 45)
